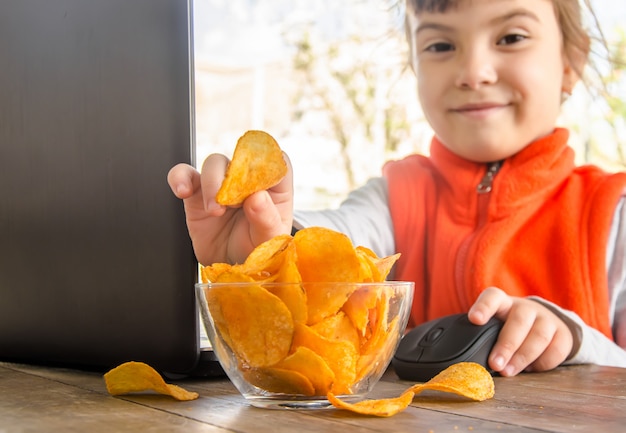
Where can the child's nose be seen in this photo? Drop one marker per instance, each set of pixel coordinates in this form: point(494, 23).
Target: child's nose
point(476, 68)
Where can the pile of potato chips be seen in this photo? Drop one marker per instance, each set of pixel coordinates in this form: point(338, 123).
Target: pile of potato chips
point(307, 325)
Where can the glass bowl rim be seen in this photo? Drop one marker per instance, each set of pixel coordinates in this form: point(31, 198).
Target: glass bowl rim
point(278, 283)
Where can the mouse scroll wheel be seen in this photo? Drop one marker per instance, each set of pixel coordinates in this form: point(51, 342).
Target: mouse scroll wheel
point(432, 336)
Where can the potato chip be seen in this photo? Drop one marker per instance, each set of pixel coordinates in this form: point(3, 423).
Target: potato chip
point(369, 272)
point(294, 297)
point(376, 330)
point(379, 268)
point(369, 362)
point(131, 377)
point(256, 324)
point(279, 380)
point(381, 407)
point(292, 294)
point(325, 255)
point(211, 273)
point(288, 272)
point(338, 328)
point(266, 259)
point(385, 264)
point(358, 305)
point(325, 299)
point(467, 379)
point(257, 165)
point(341, 356)
point(312, 366)
point(366, 252)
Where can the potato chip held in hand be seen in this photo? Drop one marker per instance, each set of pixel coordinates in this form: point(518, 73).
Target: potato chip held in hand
point(131, 377)
point(257, 165)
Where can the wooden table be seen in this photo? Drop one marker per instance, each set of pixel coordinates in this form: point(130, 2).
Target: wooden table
point(570, 399)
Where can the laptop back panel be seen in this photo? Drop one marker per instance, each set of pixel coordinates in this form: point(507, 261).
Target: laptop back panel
point(96, 267)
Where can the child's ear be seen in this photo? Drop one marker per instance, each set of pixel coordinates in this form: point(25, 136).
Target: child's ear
point(574, 62)
point(570, 78)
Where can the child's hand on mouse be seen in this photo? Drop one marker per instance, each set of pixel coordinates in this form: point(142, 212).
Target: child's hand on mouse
point(228, 234)
point(533, 338)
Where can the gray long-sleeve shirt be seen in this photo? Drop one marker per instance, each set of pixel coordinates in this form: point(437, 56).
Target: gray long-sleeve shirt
point(365, 217)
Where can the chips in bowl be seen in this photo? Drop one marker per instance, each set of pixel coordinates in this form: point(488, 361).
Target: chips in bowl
point(304, 316)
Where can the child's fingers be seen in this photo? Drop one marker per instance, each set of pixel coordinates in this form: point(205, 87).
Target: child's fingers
point(270, 213)
point(212, 176)
point(495, 302)
point(285, 186)
point(263, 217)
point(183, 180)
point(538, 336)
point(491, 302)
point(556, 351)
point(506, 356)
point(532, 336)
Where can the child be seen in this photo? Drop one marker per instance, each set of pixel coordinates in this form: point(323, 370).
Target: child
point(497, 221)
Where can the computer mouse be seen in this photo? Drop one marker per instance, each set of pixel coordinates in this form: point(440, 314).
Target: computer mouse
point(433, 346)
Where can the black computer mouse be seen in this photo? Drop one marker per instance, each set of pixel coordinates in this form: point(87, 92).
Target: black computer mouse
point(433, 346)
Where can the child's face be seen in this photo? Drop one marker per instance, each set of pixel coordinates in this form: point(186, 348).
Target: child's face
point(490, 74)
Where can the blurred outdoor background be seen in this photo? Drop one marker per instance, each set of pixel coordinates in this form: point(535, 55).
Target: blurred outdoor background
point(330, 81)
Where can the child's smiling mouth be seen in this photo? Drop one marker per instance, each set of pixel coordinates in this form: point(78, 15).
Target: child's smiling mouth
point(479, 110)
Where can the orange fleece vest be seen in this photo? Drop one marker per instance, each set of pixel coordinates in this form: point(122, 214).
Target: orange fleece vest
point(541, 230)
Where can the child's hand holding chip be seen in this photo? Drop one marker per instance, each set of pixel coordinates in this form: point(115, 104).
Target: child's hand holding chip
point(229, 233)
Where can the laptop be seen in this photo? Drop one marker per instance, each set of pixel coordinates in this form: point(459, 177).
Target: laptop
point(96, 265)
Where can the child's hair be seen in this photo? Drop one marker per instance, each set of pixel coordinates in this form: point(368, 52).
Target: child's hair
point(576, 39)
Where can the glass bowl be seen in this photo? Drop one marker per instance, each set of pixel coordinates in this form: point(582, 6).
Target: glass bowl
point(286, 345)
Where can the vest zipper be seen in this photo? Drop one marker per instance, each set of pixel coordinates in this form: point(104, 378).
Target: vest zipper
point(483, 189)
point(486, 183)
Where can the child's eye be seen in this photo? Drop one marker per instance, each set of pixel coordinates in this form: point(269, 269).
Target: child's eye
point(511, 39)
point(439, 47)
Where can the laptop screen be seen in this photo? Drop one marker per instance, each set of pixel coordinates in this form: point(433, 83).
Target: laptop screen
point(96, 266)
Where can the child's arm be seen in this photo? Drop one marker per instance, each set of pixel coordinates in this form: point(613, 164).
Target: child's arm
point(363, 216)
point(228, 234)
